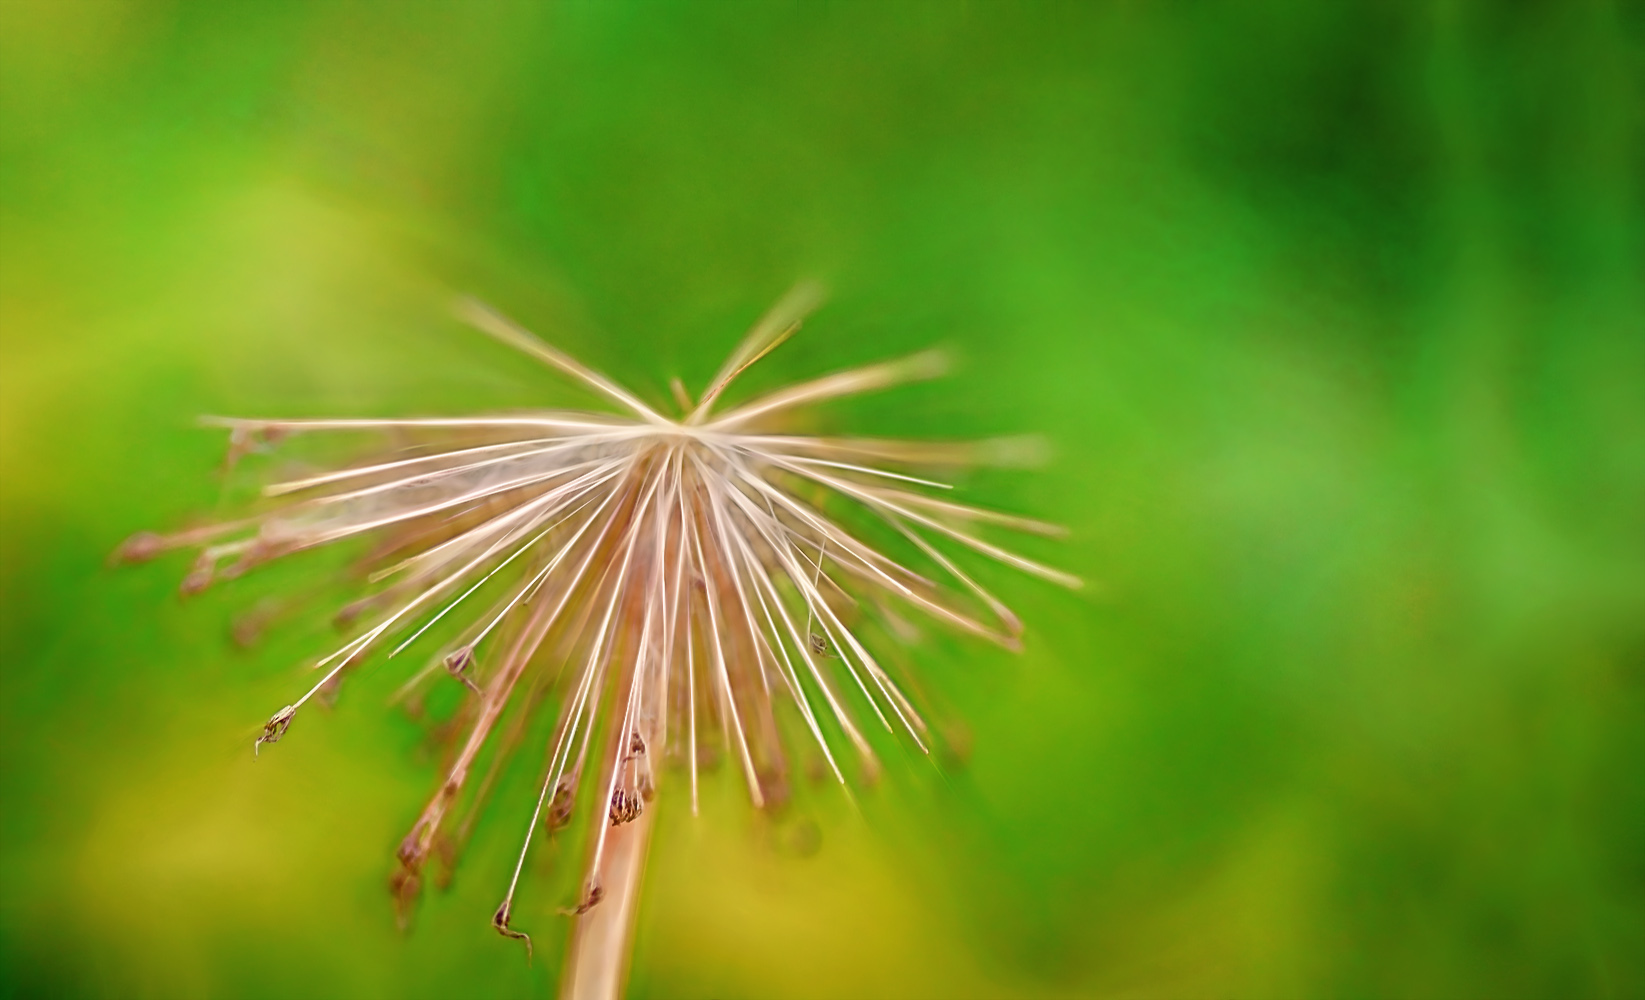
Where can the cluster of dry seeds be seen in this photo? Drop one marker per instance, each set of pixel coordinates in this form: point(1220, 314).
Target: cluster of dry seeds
point(674, 581)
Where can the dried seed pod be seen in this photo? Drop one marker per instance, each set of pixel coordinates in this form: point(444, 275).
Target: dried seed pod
point(684, 570)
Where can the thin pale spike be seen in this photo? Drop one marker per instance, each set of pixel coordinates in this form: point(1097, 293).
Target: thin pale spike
point(844, 542)
point(423, 480)
point(798, 537)
point(321, 538)
point(876, 563)
point(505, 678)
point(499, 546)
point(725, 676)
point(970, 513)
point(571, 772)
point(870, 378)
point(412, 537)
point(777, 325)
point(831, 624)
point(544, 573)
point(993, 551)
point(893, 695)
point(874, 575)
point(493, 699)
point(358, 645)
point(500, 920)
point(595, 663)
point(1007, 617)
point(429, 560)
point(460, 648)
point(654, 600)
point(802, 645)
point(691, 692)
point(715, 693)
point(1005, 452)
point(724, 519)
point(610, 627)
point(619, 738)
point(582, 424)
point(766, 634)
point(849, 553)
point(488, 320)
point(764, 585)
point(671, 594)
point(682, 398)
point(885, 684)
point(871, 561)
point(560, 757)
point(517, 553)
point(349, 653)
point(298, 485)
point(728, 560)
point(865, 470)
point(813, 596)
point(511, 740)
point(811, 615)
point(657, 597)
point(298, 536)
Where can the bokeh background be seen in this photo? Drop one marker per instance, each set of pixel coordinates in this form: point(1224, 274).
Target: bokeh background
point(1332, 312)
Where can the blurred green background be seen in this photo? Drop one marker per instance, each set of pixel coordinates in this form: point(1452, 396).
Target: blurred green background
point(1333, 313)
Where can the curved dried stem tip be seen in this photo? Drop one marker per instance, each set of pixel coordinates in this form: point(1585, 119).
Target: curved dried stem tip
point(275, 727)
point(590, 899)
point(499, 922)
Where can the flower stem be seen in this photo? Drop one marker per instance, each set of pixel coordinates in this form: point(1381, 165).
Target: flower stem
point(597, 962)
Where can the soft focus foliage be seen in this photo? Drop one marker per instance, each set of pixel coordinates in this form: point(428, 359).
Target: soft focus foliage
point(1331, 312)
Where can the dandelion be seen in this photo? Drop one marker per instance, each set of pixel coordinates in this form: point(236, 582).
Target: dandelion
point(678, 582)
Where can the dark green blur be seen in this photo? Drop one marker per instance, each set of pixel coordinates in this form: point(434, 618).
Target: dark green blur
point(1333, 312)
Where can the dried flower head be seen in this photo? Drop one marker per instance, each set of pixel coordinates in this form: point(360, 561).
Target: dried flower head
point(678, 582)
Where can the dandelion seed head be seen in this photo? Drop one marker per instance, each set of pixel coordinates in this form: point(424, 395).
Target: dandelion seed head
point(671, 587)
